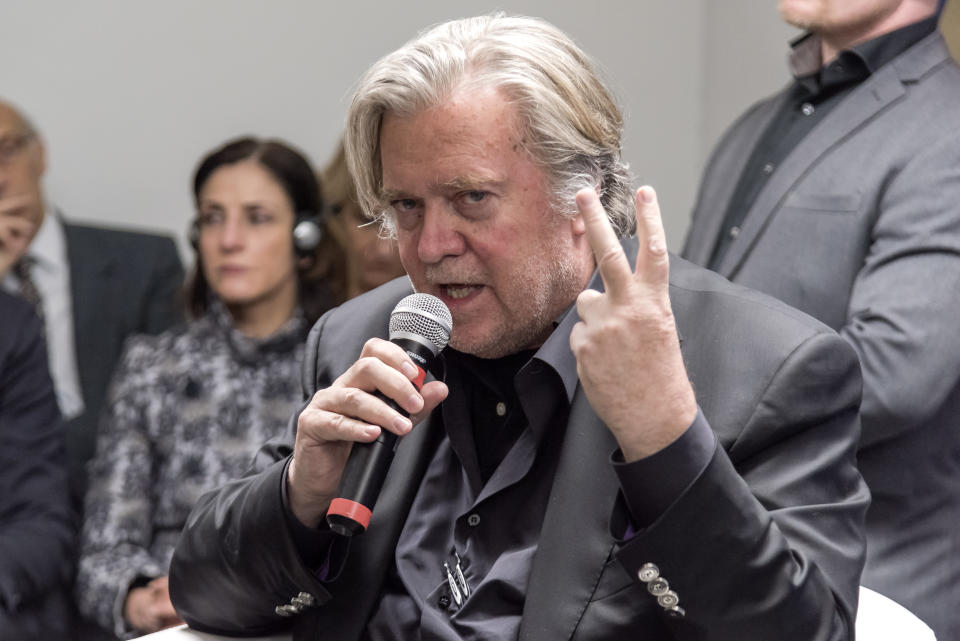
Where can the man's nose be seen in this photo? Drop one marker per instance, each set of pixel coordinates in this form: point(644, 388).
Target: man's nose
point(439, 235)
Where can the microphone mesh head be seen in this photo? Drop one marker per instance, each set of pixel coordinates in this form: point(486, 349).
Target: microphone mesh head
point(422, 315)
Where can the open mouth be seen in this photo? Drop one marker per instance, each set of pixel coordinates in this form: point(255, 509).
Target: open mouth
point(459, 291)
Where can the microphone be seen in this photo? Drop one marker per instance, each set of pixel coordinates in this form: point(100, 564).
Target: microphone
point(420, 324)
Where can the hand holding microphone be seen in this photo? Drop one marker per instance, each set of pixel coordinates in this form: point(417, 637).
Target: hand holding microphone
point(364, 411)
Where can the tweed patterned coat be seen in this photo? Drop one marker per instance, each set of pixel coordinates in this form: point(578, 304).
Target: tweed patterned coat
point(185, 412)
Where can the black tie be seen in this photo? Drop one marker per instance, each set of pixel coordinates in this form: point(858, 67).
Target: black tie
point(28, 288)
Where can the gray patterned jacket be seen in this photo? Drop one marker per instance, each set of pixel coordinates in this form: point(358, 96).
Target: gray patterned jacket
point(185, 412)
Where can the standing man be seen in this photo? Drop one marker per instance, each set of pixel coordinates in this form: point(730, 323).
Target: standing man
point(841, 197)
point(566, 482)
point(92, 286)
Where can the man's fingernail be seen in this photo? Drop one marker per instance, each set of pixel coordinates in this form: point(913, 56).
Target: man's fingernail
point(408, 369)
point(647, 194)
point(414, 403)
point(402, 424)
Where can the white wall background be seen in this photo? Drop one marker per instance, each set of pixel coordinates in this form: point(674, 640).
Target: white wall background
point(129, 95)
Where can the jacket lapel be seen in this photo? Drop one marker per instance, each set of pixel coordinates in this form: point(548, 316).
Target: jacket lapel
point(91, 277)
point(575, 542)
point(864, 104)
point(720, 181)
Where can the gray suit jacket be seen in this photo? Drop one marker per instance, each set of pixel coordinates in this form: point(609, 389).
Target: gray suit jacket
point(122, 283)
point(860, 227)
point(772, 525)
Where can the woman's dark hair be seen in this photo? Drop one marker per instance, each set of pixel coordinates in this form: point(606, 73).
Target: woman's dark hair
point(291, 169)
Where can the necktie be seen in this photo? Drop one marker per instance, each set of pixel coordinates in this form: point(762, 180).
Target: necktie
point(28, 288)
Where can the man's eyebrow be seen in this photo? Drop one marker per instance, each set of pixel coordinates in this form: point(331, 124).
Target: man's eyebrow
point(459, 183)
point(466, 183)
point(387, 195)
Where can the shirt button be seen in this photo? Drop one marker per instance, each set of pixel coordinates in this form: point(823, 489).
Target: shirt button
point(473, 520)
point(501, 408)
point(768, 168)
point(807, 109)
point(734, 232)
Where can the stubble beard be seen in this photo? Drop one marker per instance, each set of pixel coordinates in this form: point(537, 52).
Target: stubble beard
point(542, 287)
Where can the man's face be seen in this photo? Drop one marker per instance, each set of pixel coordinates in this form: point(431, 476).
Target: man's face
point(21, 168)
point(837, 17)
point(475, 225)
point(21, 197)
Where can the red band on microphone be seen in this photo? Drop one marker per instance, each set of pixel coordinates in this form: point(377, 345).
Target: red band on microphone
point(420, 377)
point(351, 510)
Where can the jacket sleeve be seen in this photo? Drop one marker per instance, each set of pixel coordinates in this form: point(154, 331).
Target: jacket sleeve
point(905, 300)
point(118, 516)
point(767, 542)
point(36, 523)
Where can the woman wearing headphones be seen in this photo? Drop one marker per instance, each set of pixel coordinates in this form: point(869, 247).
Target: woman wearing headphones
point(188, 408)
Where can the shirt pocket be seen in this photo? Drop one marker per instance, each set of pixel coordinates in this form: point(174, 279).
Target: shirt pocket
point(826, 203)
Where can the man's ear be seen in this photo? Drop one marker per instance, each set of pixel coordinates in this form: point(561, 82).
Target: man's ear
point(577, 225)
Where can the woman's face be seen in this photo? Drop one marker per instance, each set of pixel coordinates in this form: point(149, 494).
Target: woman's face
point(246, 238)
point(378, 259)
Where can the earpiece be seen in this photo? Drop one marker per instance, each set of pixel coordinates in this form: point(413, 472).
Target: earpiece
point(307, 234)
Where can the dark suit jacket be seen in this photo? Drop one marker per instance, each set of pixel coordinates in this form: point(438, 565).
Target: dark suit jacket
point(766, 543)
point(122, 283)
point(860, 228)
point(37, 529)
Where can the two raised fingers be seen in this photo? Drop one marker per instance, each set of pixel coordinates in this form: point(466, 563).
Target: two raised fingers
point(652, 259)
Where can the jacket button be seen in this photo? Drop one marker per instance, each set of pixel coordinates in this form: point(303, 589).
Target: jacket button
point(658, 586)
point(677, 611)
point(304, 599)
point(473, 520)
point(286, 610)
point(648, 572)
point(668, 599)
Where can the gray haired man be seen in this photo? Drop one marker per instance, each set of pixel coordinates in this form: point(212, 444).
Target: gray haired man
point(563, 479)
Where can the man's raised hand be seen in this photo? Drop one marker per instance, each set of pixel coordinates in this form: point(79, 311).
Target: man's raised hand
point(626, 344)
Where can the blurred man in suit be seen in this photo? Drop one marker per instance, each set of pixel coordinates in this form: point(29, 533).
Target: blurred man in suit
point(840, 195)
point(92, 286)
point(37, 528)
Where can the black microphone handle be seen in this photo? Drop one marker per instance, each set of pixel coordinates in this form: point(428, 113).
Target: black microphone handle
point(368, 464)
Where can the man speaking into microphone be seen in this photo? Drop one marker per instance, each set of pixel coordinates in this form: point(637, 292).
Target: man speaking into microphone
point(617, 445)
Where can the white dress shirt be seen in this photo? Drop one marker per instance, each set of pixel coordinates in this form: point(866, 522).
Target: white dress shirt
point(51, 274)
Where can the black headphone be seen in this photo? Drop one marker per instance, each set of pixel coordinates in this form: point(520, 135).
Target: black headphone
point(307, 233)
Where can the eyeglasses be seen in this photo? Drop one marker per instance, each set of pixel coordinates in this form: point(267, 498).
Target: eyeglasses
point(10, 147)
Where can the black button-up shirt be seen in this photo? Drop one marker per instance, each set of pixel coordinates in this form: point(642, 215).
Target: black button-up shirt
point(815, 92)
point(492, 524)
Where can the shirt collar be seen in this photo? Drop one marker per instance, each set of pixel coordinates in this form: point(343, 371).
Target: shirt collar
point(248, 349)
point(806, 56)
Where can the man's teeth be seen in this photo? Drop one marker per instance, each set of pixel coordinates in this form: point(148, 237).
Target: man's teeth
point(460, 292)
